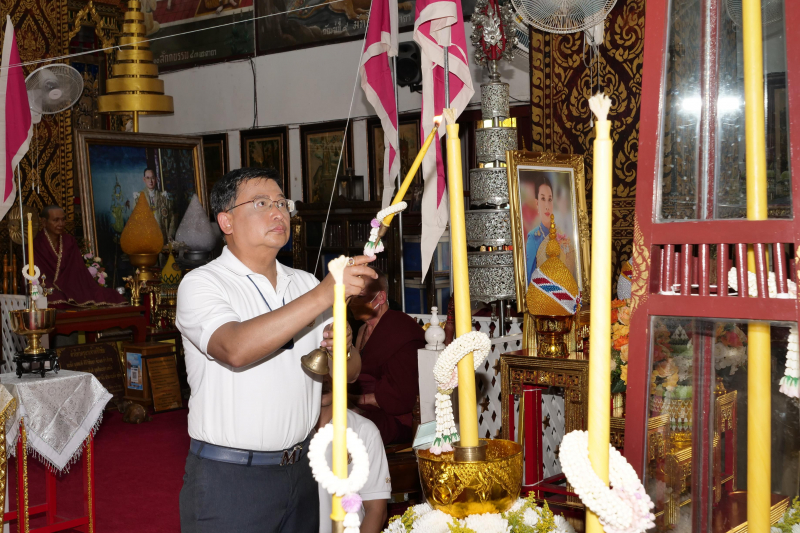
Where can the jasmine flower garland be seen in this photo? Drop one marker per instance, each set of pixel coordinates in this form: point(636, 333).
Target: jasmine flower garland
point(348, 487)
point(374, 244)
point(624, 508)
point(445, 372)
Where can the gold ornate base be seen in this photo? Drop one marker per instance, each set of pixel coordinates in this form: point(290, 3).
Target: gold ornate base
point(551, 332)
point(465, 488)
point(33, 323)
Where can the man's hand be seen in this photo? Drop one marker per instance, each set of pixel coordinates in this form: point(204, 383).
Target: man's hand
point(353, 275)
point(353, 279)
point(327, 337)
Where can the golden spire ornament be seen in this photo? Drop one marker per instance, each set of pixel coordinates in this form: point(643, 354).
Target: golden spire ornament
point(134, 87)
point(553, 298)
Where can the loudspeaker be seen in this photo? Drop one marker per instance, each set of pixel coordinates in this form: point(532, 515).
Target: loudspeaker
point(409, 59)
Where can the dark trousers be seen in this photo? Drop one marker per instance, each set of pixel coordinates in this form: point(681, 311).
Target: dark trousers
point(219, 497)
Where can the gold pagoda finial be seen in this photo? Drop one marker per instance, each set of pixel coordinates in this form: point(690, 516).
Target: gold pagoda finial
point(553, 248)
point(134, 86)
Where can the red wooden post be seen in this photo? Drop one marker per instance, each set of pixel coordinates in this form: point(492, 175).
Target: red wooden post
point(669, 253)
point(780, 267)
point(741, 268)
point(686, 271)
point(761, 270)
point(51, 496)
point(722, 269)
point(704, 266)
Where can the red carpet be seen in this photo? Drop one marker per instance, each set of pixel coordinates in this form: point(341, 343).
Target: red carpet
point(139, 473)
point(138, 476)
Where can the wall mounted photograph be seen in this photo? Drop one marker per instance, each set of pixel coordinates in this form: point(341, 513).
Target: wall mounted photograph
point(321, 148)
point(221, 30)
point(318, 22)
point(541, 185)
point(266, 148)
point(115, 168)
point(215, 158)
point(409, 146)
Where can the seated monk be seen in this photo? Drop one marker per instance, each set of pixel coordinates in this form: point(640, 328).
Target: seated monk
point(388, 385)
point(58, 257)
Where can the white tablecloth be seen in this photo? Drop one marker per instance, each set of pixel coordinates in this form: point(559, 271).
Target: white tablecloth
point(60, 411)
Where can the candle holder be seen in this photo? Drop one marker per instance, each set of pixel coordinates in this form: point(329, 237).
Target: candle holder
point(463, 488)
point(551, 332)
point(33, 323)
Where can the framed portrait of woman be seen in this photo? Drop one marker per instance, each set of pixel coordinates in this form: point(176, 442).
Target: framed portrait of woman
point(541, 185)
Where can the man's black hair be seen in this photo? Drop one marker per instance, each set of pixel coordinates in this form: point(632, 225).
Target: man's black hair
point(45, 212)
point(223, 194)
point(151, 169)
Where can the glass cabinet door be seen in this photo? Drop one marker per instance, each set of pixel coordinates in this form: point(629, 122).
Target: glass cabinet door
point(696, 451)
point(702, 172)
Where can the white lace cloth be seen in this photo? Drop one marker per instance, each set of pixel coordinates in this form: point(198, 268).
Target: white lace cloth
point(60, 411)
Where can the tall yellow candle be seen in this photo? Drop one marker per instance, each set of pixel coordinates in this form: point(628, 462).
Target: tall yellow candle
point(30, 246)
point(467, 399)
point(759, 401)
point(336, 267)
point(401, 192)
point(599, 336)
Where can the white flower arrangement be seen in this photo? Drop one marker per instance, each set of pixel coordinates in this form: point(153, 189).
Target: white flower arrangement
point(374, 244)
point(524, 514)
point(624, 508)
point(347, 488)
point(445, 372)
point(789, 382)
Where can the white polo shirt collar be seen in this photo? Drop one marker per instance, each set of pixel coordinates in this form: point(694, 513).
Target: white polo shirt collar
point(235, 265)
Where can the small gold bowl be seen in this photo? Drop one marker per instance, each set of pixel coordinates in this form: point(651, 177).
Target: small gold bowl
point(462, 489)
point(143, 260)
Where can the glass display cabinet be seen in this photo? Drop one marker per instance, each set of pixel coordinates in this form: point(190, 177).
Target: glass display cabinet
point(701, 405)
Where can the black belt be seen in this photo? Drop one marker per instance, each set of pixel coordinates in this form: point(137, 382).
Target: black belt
point(235, 456)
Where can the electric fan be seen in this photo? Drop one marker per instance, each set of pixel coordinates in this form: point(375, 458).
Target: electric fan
point(563, 16)
point(52, 89)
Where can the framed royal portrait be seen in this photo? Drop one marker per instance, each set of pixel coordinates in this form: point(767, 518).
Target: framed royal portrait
point(323, 146)
point(541, 185)
point(115, 168)
point(267, 148)
point(409, 146)
point(306, 23)
point(215, 158)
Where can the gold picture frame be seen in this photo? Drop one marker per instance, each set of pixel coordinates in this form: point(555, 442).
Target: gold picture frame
point(570, 374)
point(110, 167)
point(565, 175)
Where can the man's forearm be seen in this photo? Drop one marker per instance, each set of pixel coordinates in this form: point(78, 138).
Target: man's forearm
point(239, 344)
point(374, 516)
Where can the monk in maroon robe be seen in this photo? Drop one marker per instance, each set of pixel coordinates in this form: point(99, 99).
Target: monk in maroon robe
point(58, 257)
point(388, 385)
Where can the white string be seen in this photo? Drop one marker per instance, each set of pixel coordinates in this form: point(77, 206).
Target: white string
point(143, 41)
point(344, 142)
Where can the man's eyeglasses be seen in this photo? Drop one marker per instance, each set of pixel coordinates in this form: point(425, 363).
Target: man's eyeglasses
point(265, 203)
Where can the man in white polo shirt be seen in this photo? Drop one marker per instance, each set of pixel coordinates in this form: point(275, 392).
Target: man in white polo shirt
point(246, 320)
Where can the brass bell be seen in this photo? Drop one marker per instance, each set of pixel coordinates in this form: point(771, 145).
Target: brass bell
point(316, 362)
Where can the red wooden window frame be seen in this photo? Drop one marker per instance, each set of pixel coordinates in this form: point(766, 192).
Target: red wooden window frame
point(652, 237)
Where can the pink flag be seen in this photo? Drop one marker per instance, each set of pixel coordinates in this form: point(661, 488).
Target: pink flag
point(378, 84)
point(439, 23)
point(16, 128)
